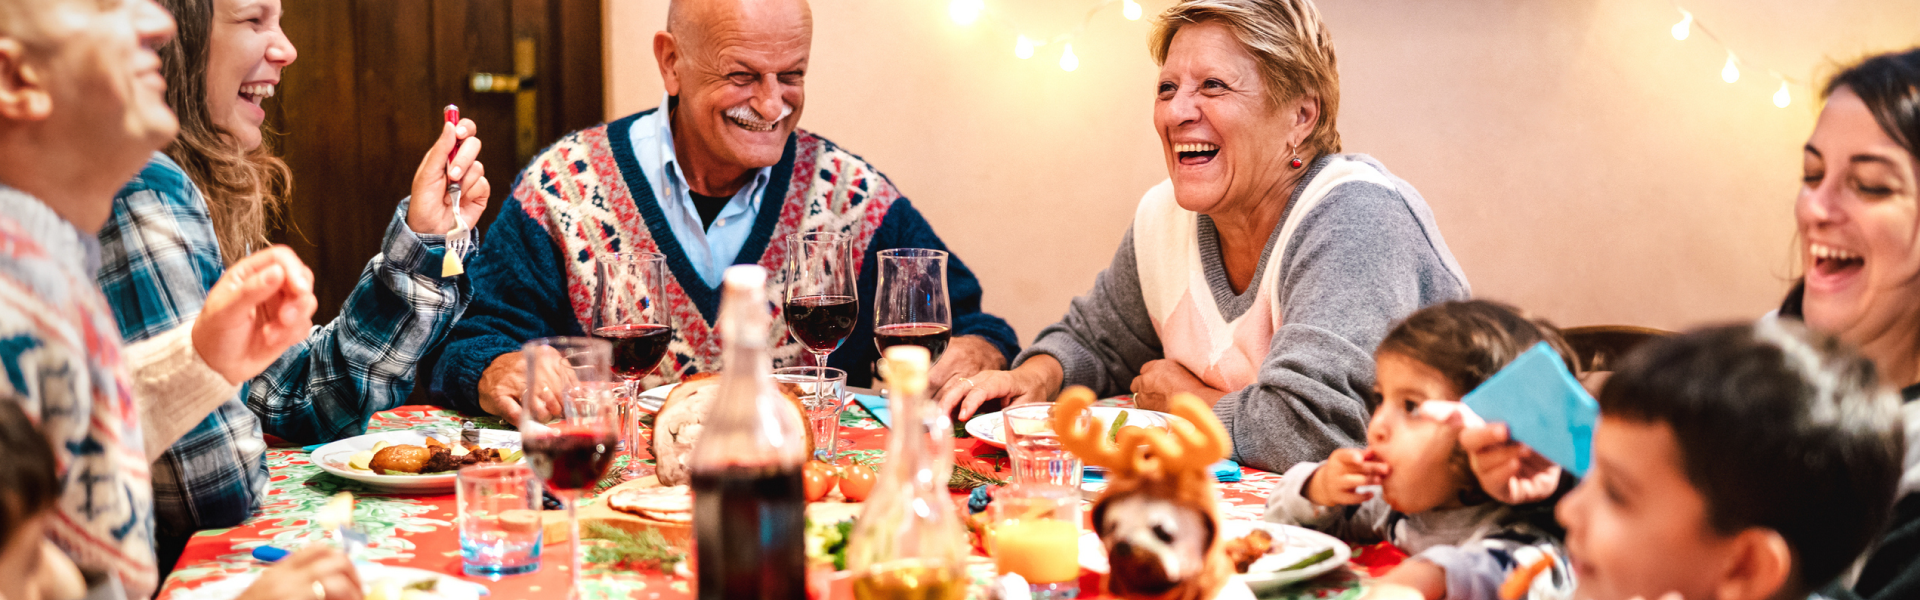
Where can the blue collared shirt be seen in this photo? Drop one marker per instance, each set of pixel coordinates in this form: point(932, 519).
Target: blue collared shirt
point(710, 249)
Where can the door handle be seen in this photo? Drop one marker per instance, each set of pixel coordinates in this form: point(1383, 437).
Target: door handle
point(523, 84)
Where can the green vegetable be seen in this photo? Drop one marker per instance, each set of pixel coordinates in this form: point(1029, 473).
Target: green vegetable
point(424, 585)
point(510, 456)
point(1113, 432)
point(829, 541)
point(631, 550)
point(1309, 561)
point(967, 478)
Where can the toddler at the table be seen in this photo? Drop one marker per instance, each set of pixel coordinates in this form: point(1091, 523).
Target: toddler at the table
point(1737, 463)
point(1464, 543)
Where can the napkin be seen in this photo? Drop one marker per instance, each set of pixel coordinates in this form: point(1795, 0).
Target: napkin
point(1543, 406)
point(1225, 471)
point(877, 407)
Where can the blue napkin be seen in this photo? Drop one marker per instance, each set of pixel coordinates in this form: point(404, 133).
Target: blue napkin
point(1225, 471)
point(1543, 406)
point(876, 406)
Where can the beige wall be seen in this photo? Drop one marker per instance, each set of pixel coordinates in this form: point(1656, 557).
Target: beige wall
point(1581, 162)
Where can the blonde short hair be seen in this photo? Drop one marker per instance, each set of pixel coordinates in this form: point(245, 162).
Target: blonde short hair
point(1286, 37)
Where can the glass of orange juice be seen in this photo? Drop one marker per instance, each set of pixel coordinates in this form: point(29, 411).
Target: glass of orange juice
point(1034, 530)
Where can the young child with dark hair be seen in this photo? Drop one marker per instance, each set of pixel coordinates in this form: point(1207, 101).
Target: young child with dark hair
point(1465, 543)
point(1747, 462)
point(33, 568)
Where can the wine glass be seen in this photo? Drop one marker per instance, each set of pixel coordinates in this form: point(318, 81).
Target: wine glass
point(568, 426)
point(822, 305)
point(629, 311)
point(910, 305)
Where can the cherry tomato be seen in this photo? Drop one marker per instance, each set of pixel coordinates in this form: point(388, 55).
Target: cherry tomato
point(820, 479)
point(856, 482)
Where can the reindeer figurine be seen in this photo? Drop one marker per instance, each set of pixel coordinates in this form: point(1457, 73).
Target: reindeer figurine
point(1157, 517)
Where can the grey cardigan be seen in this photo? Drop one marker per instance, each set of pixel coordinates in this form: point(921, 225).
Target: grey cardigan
point(1366, 256)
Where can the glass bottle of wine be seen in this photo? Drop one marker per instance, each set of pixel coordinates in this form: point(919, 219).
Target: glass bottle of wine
point(909, 543)
point(749, 506)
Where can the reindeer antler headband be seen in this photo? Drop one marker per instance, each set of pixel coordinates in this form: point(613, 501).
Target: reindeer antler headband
point(1193, 443)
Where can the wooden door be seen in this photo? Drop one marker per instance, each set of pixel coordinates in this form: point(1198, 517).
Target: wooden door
point(356, 112)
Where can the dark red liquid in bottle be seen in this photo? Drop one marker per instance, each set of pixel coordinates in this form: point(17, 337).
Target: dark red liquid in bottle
point(570, 458)
point(821, 322)
point(931, 336)
point(637, 349)
point(750, 525)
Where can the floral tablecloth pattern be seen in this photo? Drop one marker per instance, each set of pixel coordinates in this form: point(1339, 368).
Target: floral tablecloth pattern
point(418, 531)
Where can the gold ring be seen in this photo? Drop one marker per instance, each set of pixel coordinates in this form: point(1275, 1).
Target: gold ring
point(319, 590)
point(969, 382)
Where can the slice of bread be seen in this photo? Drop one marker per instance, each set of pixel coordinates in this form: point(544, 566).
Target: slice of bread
point(678, 425)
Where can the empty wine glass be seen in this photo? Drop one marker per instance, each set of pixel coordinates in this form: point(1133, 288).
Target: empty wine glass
point(568, 428)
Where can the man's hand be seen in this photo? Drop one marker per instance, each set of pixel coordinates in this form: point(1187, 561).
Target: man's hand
point(261, 306)
point(429, 211)
point(1160, 380)
point(1347, 469)
point(1509, 471)
point(965, 356)
point(502, 384)
point(313, 573)
point(1036, 380)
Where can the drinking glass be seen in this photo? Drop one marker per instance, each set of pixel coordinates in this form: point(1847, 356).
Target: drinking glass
point(499, 519)
point(823, 393)
point(822, 305)
point(1034, 530)
point(569, 424)
point(1035, 448)
point(910, 302)
point(629, 311)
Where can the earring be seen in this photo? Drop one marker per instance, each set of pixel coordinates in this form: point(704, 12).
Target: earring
point(1295, 163)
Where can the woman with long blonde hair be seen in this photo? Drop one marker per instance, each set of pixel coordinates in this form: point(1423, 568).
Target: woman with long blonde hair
point(207, 202)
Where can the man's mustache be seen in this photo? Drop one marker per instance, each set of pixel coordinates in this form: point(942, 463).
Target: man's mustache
point(746, 115)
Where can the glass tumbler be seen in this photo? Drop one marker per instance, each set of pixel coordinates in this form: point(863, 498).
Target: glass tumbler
point(499, 515)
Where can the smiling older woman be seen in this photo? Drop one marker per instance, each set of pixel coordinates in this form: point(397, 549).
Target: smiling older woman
point(1263, 273)
point(1859, 227)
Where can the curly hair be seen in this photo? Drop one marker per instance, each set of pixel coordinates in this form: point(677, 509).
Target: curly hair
point(246, 190)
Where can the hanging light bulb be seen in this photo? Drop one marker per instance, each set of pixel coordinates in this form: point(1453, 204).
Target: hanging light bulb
point(965, 12)
point(1130, 10)
point(1731, 72)
point(1023, 47)
point(1782, 98)
point(1068, 61)
point(1684, 27)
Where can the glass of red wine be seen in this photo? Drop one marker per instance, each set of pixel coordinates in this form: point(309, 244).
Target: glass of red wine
point(629, 310)
point(822, 305)
point(569, 423)
point(910, 302)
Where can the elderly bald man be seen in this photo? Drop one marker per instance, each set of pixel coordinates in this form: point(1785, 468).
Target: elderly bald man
point(718, 174)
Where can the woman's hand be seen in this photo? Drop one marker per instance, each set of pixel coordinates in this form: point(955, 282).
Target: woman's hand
point(1036, 380)
point(1509, 471)
point(1160, 380)
point(261, 306)
point(314, 573)
point(429, 212)
point(1337, 481)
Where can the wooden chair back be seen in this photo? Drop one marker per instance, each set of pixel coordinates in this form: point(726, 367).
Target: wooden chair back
point(1599, 347)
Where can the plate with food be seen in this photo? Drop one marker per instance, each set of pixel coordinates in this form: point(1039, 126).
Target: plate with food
point(987, 427)
point(1265, 555)
point(414, 460)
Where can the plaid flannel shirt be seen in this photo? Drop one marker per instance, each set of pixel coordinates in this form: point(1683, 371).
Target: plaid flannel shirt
point(159, 256)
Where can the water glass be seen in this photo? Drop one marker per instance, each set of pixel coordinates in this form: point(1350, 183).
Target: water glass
point(499, 515)
point(1033, 529)
point(823, 393)
point(1038, 456)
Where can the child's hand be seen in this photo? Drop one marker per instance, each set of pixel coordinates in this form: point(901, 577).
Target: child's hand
point(1335, 482)
point(1509, 471)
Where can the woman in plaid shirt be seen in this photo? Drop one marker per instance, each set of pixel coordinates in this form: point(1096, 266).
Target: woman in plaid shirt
point(204, 204)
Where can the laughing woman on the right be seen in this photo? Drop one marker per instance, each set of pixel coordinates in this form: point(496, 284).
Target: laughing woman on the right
point(1859, 227)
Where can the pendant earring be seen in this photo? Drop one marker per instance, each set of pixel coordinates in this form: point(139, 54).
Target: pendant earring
point(1296, 162)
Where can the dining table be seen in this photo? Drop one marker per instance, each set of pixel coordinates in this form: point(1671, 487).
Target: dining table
point(420, 531)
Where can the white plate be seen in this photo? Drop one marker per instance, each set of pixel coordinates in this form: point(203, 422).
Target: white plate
point(1291, 545)
point(333, 457)
point(450, 587)
point(652, 399)
point(987, 427)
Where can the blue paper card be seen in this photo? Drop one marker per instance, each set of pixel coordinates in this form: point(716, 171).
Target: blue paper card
point(877, 407)
point(1543, 406)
